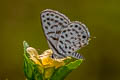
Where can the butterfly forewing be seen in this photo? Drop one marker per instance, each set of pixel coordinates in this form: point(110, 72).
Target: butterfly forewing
point(72, 38)
point(53, 22)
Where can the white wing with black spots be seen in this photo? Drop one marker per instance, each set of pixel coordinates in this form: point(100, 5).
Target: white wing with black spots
point(73, 38)
point(64, 37)
point(53, 22)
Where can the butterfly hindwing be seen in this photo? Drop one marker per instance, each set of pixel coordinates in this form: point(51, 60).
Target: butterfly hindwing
point(72, 38)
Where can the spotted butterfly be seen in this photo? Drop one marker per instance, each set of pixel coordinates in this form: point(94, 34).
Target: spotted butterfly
point(63, 36)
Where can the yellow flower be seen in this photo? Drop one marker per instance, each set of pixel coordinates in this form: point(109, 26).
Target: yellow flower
point(45, 59)
point(33, 55)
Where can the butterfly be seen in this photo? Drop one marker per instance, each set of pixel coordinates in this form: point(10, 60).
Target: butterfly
point(63, 36)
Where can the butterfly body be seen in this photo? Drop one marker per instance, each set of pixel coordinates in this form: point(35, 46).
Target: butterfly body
point(63, 36)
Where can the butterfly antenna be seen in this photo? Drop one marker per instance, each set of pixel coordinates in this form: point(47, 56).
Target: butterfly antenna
point(92, 37)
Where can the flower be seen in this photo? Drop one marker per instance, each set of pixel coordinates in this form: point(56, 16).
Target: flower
point(45, 59)
point(44, 67)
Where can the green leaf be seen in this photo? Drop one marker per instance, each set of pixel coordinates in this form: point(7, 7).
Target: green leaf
point(31, 70)
point(62, 72)
point(25, 45)
point(49, 72)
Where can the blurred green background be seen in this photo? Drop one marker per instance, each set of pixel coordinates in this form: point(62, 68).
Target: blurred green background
point(20, 20)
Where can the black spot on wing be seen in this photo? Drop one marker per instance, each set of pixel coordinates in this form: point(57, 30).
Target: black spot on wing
point(52, 14)
point(65, 22)
point(58, 32)
point(71, 25)
point(68, 29)
point(54, 38)
point(65, 46)
point(48, 18)
point(82, 32)
point(56, 21)
point(54, 26)
point(71, 33)
point(64, 31)
point(76, 26)
point(47, 14)
point(61, 19)
point(52, 19)
point(79, 35)
point(50, 33)
point(43, 16)
point(44, 20)
point(83, 41)
point(62, 49)
point(55, 49)
point(74, 30)
point(62, 36)
point(60, 23)
point(68, 41)
point(61, 42)
point(66, 35)
point(72, 49)
point(84, 36)
point(48, 23)
point(69, 47)
point(69, 52)
point(74, 44)
point(72, 37)
point(46, 27)
point(56, 16)
point(79, 28)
